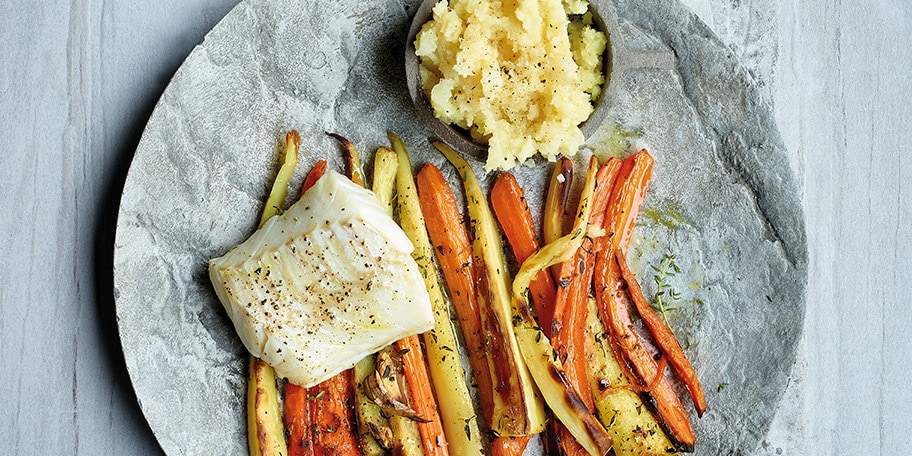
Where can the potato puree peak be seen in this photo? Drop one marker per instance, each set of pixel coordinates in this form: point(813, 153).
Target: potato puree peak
point(518, 74)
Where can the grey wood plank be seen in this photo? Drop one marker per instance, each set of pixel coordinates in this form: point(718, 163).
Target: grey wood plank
point(139, 46)
point(79, 80)
point(849, 123)
point(36, 388)
point(840, 91)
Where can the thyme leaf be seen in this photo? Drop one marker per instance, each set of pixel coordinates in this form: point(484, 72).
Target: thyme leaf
point(665, 296)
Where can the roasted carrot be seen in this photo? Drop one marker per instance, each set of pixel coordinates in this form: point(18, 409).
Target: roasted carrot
point(664, 338)
point(453, 250)
point(620, 216)
point(297, 423)
point(509, 446)
point(297, 430)
point(614, 310)
point(626, 198)
point(422, 395)
point(313, 176)
point(512, 211)
point(330, 415)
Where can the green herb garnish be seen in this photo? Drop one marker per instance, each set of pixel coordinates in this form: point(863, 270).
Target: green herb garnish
point(665, 295)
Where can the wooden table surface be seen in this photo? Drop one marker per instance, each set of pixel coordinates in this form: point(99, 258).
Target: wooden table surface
point(79, 78)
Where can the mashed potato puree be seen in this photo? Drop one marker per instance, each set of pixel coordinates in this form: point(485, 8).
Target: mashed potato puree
point(518, 74)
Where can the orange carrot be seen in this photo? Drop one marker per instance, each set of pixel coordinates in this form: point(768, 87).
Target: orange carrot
point(509, 446)
point(452, 247)
point(620, 215)
point(571, 305)
point(664, 338)
point(626, 198)
point(512, 211)
point(421, 393)
point(296, 423)
point(614, 310)
point(330, 415)
point(454, 253)
point(313, 176)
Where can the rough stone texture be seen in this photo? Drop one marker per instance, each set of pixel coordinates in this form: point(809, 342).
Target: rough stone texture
point(723, 200)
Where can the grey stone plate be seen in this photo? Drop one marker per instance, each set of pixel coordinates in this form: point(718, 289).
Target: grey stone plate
point(723, 200)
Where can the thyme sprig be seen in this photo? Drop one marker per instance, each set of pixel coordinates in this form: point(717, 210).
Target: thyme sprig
point(666, 296)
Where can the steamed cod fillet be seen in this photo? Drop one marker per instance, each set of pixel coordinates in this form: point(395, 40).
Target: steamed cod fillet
point(323, 285)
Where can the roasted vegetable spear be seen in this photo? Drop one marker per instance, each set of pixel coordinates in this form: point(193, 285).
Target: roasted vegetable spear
point(515, 218)
point(454, 254)
point(662, 335)
point(352, 160)
point(330, 413)
point(406, 437)
point(557, 198)
point(519, 410)
point(453, 250)
point(535, 348)
point(446, 371)
point(265, 434)
point(626, 199)
point(374, 428)
point(568, 333)
point(556, 202)
point(512, 212)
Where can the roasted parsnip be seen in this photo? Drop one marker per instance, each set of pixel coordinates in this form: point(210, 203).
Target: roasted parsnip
point(460, 422)
point(265, 432)
point(620, 408)
point(518, 409)
point(543, 362)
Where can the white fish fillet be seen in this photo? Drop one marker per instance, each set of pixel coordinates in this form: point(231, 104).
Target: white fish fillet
point(324, 284)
